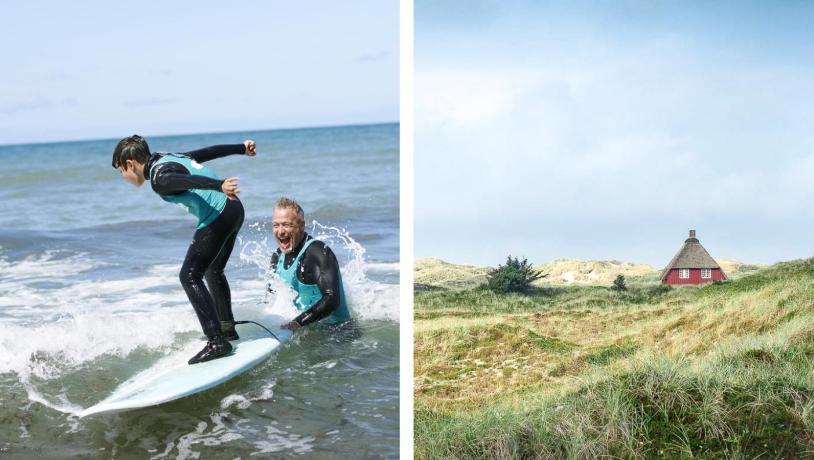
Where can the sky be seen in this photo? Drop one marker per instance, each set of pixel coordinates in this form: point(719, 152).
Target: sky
point(110, 69)
point(607, 130)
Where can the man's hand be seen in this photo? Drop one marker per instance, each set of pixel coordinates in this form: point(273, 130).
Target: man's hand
point(291, 325)
point(229, 187)
point(251, 148)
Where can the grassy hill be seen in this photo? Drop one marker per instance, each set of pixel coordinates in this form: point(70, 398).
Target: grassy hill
point(580, 371)
point(438, 273)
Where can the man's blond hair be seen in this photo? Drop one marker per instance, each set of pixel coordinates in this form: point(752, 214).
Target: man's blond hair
point(287, 203)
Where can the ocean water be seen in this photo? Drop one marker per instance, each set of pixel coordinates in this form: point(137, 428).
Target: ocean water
point(89, 296)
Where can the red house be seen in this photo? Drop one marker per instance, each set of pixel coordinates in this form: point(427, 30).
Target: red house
point(692, 265)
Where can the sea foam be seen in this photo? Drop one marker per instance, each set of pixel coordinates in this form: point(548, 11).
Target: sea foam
point(58, 315)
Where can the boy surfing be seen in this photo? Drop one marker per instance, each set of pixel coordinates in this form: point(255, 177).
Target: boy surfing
point(181, 178)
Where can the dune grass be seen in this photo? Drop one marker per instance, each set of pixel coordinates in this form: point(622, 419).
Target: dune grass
point(720, 371)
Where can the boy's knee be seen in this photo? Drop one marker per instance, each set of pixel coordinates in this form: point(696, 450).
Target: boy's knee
point(189, 276)
point(183, 276)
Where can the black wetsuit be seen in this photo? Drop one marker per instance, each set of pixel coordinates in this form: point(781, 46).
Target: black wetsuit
point(317, 266)
point(211, 245)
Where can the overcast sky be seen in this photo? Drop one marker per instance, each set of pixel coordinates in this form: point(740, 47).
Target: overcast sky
point(606, 130)
point(103, 69)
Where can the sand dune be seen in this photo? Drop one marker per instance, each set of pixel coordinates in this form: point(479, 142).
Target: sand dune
point(436, 272)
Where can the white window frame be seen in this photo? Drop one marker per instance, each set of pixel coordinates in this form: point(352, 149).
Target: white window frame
point(684, 273)
point(706, 273)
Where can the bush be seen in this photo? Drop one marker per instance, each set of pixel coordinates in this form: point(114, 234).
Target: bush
point(658, 290)
point(515, 276)
point(619, 283)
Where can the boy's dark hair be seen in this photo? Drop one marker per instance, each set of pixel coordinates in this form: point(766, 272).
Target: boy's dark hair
point(131, 148)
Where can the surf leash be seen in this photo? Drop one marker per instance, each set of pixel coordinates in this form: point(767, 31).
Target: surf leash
point(264, 327)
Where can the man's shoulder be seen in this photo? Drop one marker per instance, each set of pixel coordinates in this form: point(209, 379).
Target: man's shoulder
point(320, 252)
point(318, 245)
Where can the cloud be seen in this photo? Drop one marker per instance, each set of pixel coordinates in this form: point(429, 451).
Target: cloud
point(656, 127)
point(464, 97)
point(634, 136)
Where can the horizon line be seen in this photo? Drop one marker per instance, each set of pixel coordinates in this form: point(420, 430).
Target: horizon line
point(290, 128)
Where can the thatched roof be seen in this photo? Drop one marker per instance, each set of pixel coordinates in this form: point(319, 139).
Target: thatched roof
point(691, 255)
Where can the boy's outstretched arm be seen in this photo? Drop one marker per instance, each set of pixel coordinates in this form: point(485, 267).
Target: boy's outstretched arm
point(248, 147)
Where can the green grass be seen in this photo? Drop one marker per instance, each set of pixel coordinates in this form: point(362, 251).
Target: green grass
point(480, 301)
point(720, 371)
point(606, 355)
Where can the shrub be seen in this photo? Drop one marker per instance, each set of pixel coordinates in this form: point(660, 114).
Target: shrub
point(619, 283)
point(658, 290)
point(515, 276)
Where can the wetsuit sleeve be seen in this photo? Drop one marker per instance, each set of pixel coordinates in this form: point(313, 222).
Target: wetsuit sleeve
point(322, 267)
point(171, 178)
point(216, 151)
point(275, 256)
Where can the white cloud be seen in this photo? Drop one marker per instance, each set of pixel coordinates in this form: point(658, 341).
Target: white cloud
point(657, 134)
point(463, 97)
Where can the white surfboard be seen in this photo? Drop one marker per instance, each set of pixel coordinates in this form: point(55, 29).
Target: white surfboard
point(172, 378)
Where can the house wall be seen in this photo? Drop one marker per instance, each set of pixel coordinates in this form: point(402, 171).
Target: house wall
point(695, 277)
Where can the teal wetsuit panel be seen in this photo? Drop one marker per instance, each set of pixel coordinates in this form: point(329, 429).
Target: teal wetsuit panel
point(206, 205)
point(309, 294)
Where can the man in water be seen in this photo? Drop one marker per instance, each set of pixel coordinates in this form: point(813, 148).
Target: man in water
point(309, 267)
point(182, 179)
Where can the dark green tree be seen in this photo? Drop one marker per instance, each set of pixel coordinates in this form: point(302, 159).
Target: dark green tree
point(515, 276)
point(619, 283)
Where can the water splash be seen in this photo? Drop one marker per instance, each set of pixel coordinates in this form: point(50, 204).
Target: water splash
point(367, 299)
point(51, 330)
